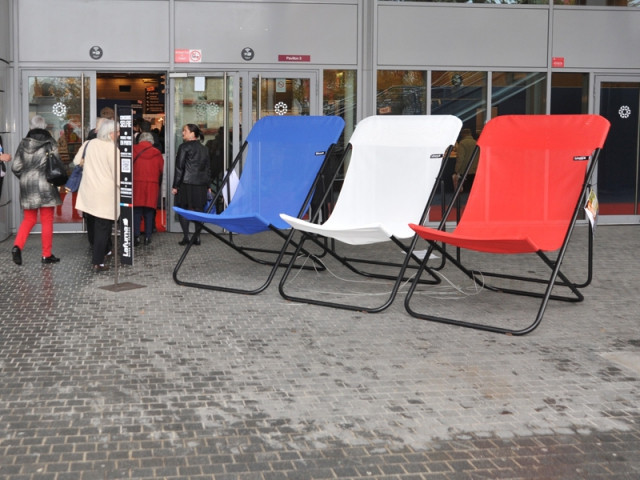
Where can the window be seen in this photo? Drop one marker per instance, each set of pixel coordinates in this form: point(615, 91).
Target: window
point(569, 93)
point(518, 93)
point(401, 92)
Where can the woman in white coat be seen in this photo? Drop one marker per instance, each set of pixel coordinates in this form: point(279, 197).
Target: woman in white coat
point(98, 189)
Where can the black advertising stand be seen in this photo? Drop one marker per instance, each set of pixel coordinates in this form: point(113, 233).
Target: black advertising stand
point(124, 122)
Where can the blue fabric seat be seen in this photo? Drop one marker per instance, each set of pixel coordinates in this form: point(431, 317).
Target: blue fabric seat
point(283, 157)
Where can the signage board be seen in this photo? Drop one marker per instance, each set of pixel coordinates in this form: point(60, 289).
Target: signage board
point(125, 145)
point(186, 55)
point(294, 58)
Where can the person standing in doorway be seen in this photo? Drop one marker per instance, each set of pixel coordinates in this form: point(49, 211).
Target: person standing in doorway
point(36, 194)
point(148, 165)
point(465, 147)
point(192, 176)
point(98, 190)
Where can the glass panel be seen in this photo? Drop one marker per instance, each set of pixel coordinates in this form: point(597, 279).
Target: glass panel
point(496, 2)
point(463, 94)
point(284, 96)
point(618, 172)
point(401, 92)
point(588, 3)
point(339, 97)
point(599, 3)
point(569, 93)
point(201, 101)
point(518, 93)
point(59, 101)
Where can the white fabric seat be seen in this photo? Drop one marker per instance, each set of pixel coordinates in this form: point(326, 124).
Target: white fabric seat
point(394, 165)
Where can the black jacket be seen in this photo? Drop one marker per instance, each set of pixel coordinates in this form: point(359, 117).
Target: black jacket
point(192, 165)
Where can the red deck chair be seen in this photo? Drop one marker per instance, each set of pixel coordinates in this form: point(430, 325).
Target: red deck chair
point(532, 176)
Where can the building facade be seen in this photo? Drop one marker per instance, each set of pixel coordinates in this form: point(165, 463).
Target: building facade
point(225, 64)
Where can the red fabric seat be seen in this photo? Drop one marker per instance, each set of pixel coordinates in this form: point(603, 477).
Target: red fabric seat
point(530, 175)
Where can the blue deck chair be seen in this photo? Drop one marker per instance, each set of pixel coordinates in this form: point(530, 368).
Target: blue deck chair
point(283, 157)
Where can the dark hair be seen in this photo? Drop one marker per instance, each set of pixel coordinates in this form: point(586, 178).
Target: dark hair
point(193, 128)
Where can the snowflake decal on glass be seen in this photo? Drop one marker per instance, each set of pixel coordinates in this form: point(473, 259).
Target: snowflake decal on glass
point(207, 108)
point(624, 111)
point(201, 110)
point(281, 108)
point(59, 109)
point(213, 109)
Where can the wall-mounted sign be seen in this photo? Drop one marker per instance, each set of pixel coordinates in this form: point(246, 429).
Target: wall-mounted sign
point(153, 101)
point(294, 58)
point(95, 52)
point(557, 62)
point(247, 54)
point(186, 55)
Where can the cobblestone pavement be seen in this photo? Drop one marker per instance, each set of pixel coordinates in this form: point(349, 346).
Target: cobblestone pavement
point(172, 382)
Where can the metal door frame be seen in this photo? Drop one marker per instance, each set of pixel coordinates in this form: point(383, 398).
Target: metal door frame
point(259, 75)
point(598, 80)
point(89, 110)
point(243, 114)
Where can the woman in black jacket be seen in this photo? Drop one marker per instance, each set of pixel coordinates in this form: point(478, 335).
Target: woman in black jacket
point(192, 176)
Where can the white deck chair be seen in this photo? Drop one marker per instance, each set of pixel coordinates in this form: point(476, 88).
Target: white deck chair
point(394, 165)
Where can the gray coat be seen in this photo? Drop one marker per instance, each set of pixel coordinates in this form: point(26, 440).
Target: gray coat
point(29, 164)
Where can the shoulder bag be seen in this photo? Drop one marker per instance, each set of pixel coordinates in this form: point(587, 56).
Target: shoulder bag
point(73, 184)
point(54, 169)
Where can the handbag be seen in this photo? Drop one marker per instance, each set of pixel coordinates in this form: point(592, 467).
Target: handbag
point(54, 169)
point(73, 184)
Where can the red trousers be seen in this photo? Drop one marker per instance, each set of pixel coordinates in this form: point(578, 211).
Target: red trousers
point(28, 222)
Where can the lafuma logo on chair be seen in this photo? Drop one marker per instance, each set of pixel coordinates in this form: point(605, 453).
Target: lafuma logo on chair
point(581, 158)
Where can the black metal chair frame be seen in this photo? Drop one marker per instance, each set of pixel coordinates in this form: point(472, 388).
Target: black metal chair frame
point(554, 265)
point(328, 247)
point(249, 252)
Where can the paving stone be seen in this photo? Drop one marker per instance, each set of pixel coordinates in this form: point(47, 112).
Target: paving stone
point(173, 382)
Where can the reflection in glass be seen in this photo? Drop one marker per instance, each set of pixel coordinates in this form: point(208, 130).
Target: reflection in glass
point(59, 101)
point(569, 93)
point(518, 93)
point(339, 97)
point(205, 108)
point(619, 162)
point(284, 96)
point(463, 94)
point(588, 3)
point(401, 92)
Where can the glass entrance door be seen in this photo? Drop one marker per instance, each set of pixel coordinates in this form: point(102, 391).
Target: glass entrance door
point(618, 177)
point(283, 93)
point(225, 105)
point(66, 101)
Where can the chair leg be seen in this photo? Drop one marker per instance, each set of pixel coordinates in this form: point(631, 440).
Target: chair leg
point(249, 291)
point(348, 263)
point(545, 297)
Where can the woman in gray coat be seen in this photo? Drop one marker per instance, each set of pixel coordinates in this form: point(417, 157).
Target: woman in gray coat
point(36, 194)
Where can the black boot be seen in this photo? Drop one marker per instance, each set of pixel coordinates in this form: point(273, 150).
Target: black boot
point(17, 255)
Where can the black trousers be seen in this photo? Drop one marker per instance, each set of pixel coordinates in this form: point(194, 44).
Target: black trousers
point(102, 243)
